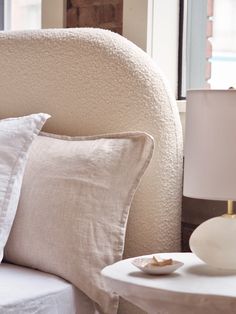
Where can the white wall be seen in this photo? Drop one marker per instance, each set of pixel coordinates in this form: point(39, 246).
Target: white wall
point(53, 13)
point(165, 38)
point(153, 26)
point(137, 22)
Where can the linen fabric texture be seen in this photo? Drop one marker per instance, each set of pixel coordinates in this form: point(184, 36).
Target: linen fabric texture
point(16, 136)
point(74, 205)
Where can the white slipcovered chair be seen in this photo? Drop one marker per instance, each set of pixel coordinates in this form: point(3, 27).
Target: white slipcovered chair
point(94, 82)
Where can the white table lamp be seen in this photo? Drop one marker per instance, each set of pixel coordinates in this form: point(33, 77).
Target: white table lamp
point(210, 171)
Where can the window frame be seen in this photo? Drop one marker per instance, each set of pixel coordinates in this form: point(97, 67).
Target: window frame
point(196, 58)
point(192, 45)
point(53, 14)
point(1, 15)
point(182, 51)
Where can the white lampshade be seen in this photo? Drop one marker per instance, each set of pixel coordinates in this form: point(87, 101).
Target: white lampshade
point(210, 170)
point(210, 145)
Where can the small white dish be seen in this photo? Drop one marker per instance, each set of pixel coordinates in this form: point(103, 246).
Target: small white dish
point(144, 264)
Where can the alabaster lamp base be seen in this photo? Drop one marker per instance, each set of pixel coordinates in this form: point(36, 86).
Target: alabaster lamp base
point(214, 242)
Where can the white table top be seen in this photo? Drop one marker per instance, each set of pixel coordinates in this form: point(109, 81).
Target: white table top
point(195, 285)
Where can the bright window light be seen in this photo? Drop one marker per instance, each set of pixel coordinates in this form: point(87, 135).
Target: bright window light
point(223, 60)
point(209, 45)
point(22, 14)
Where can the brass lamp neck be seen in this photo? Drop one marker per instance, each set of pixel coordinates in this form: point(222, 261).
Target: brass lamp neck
point(230, 208)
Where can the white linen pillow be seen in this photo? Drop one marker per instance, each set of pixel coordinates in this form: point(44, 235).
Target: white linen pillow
point(74, 205)
point(16, 136)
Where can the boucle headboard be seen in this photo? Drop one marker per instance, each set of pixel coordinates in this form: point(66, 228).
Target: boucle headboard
point(94, 82)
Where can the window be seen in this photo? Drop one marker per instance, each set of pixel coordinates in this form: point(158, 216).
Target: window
point(22, 14)
point(1, 15)
point(32, 14)
point(208, 44)
point(223, 58)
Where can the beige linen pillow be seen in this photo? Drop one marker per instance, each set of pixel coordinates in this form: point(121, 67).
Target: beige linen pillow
point(74, 205)
point(16, 136)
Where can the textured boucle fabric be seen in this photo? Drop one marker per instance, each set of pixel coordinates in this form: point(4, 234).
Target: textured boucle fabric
point(93, 82)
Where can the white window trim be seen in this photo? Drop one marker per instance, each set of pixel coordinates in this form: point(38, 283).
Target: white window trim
point(53, 13)
point(181, 105)
point(137, 22)
point(7, 15)
point(196, 59)
point(153, 25)
point(1, 14)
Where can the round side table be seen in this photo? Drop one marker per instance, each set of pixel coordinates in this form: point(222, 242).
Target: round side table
point(195, 288)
